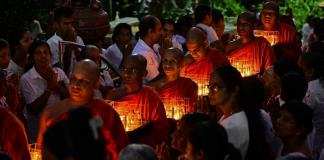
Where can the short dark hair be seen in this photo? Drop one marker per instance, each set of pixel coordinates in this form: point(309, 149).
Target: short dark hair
point(301, 113)
point(3, 43)
point(217, 16)
point(62, 12)
point(168, 21)
point(146, 23)
point(293, 86)
point(201, 12)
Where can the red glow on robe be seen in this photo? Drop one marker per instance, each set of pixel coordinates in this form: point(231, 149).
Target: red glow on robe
point(13, 139)
point(183, 88)
point(148, 103)
point(258, 54)
point(203, 68)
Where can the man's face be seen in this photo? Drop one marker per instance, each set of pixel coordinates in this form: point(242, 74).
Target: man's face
point(168, 30)
point(4, 57)
point(244, 27)
point(124, 36)
point(197, 50)
point(131, 74)
point(268, 18)
point(219, 28)
point(82, 85)
point(42, 56)
point(65, 28)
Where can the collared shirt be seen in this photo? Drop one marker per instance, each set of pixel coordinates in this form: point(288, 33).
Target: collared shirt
point(153, 59)
point(114, 55)
point(53, 42)
point(14, 68)
point(33, 85)
point(211, 33)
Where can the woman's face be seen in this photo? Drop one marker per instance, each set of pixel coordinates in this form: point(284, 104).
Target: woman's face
point(285, 125)
point(170, 64)
point(124, 36)
point(218, 93)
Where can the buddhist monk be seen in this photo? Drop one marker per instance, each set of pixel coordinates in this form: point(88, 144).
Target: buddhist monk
point(289, 45)
point(142, 102)
point(256, 51)
point(83, 81)
point(172, 85)
point(202, 59)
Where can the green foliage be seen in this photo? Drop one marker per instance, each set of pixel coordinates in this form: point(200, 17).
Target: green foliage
point(169, 11)
point(231, 8)
point(302, 9)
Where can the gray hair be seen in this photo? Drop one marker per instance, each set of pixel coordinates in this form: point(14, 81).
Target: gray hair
point(137, 152)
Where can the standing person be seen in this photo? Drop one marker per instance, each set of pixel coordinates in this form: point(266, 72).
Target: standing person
point(150, 30)
point(41, 85)
point(182, 27)
point(203, 19)
point(64, 31)
point(256, 51)
point(83, 81)
point(122, 44)
point(288, 45)
point(143, 101)
point(238, 119)
point(169, 39)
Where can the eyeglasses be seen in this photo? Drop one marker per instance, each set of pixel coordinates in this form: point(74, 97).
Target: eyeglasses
point(129, 70)
point(215, 87)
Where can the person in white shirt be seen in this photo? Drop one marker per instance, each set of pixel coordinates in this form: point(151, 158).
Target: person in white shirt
point(241, 118)
point(182, 27)
point(122, 44)
point(313, 66)
point(41, 85)
point(150, 30)
point(203, 19)
point(63, 23)
point(169, 39)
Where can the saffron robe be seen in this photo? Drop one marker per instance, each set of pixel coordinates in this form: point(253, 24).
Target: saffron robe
point(258, 54)
point(111, 120)
point(181, 88)
point(13, 138)
point(150, 107)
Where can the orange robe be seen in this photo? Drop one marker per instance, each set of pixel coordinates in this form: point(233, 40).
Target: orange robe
point(258, 55)
point(147, 102)
point(182, 88)
point(289, 46)
point(13, 139)
point(204, 67)
point(112, 126)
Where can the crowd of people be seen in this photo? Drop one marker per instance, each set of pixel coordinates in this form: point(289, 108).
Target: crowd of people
point(264, 98)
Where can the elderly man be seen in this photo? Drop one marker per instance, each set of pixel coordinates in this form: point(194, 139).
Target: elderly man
point(142, 102)
point(257, 51)
point(151, 31)
point(84, 80)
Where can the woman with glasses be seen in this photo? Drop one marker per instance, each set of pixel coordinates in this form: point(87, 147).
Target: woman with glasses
point(238, 119)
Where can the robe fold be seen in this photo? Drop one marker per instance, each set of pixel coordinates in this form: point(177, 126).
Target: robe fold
point(258, 55)
point(13, 138)
point(112, 125)
point(181, 88)
point(148, 104)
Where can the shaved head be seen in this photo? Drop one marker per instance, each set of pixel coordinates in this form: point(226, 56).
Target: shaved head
point(89, 68)
point(196, 35)
point(138, 60)
point(271, 6)
point(249, 16)
point(176, 52)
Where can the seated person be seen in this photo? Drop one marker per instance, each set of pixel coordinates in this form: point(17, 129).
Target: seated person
point(84, 79)
point(143, 101)
point(252, 53)
point(171, 85)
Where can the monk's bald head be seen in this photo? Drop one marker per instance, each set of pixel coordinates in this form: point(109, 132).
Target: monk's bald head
point(248, 16)
point(271, 6)
point(88, 68)
point(175, 52)
point(138, 61)
point(196, 35)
